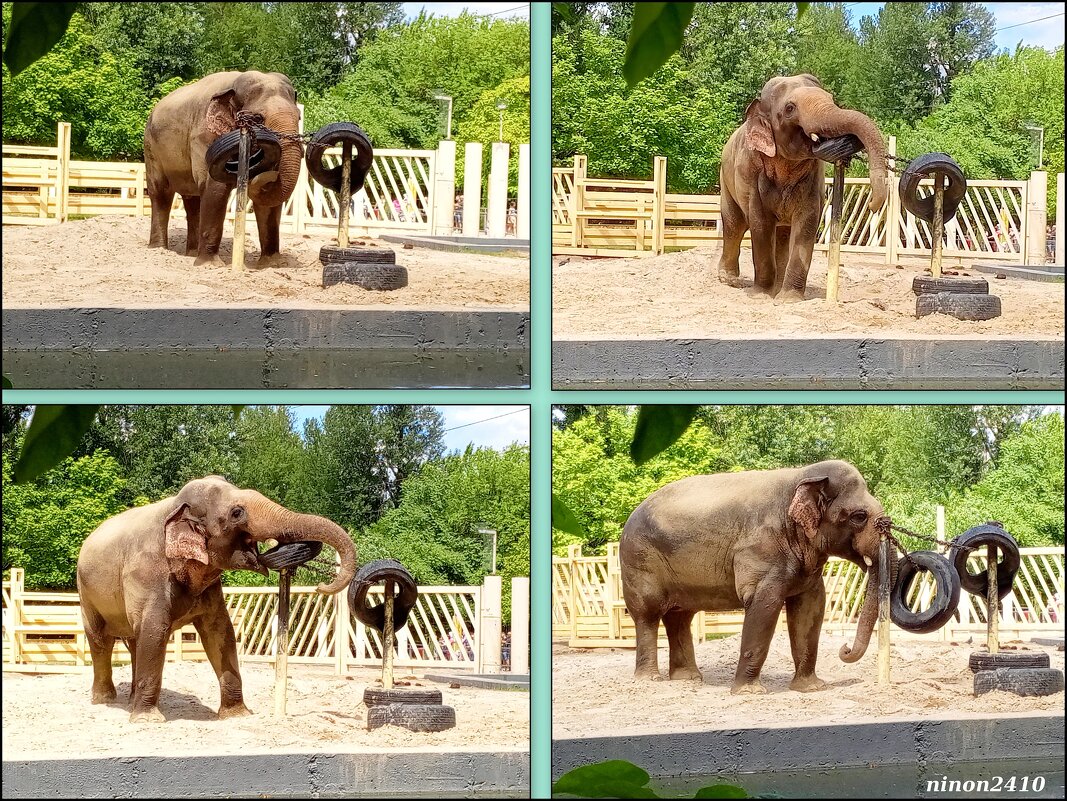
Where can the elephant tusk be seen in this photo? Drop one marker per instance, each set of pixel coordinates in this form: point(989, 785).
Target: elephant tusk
point(814, 137)
point(867, 559)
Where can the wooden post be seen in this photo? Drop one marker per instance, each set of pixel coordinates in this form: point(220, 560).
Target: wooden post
point(520, 625)
point(578, 201)
point(522, 205)
point(63, 171)
point(497, 204)
point(387, 637)
point(343, 625)
point(659, 202)
point(833, 270)
point(1060, 238)
point(883, 611)
point(1037, 215)
point(443, 195)
point(937, 232)
point(345, 195)
point(281, 658)
point(472, 189)
point(489, 626)
point(992, 601)
point(892, 210)
point(241, 217)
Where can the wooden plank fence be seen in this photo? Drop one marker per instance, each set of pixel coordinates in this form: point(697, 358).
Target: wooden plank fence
point(588, 610)
point(998, 220)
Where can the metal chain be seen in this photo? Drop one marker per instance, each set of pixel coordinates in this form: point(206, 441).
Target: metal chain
point(252, 121)
point(885, 527)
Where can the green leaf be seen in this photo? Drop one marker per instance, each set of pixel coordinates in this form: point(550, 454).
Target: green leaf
point(658, 427)
point(565, 520)
point(34, 30)
point(7, 382)
point(565, 12)
point(615, 778)
point(655, 36)
point(722, 790)
point(54, 433)
point(237, 409)
point(802, 9)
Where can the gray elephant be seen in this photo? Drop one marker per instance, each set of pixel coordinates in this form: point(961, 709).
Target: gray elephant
point(754, 540)
point(773, 184)
point(148, 571)
point(179, 131)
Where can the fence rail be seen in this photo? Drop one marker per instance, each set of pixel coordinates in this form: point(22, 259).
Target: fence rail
point(588, 610)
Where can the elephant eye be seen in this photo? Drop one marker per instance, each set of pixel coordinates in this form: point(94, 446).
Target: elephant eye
point(238, 512)
point(859, 518)
point(790, 108)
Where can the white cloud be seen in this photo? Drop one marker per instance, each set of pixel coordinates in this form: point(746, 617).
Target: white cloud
point(502, 9)
point(485, 426)
point(1047, 33)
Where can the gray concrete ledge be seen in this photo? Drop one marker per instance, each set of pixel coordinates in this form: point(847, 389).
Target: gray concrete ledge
point(1052, 274)
point(401, 774)
point(496, 681)
point(463, 244)
point(826, 363)
point(735, 751)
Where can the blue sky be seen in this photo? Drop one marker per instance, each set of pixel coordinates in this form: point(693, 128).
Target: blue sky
point(453, 9)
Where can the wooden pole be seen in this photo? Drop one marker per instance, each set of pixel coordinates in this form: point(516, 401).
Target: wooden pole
point(992, 601)
point(834, 256)
point(387, 638)
point(345, 195)
point(242, 203)
point(281, 659)
point(883, 611)
point(938, 231)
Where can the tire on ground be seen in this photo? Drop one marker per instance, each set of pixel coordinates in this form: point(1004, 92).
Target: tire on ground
point(332, 254)
point(381, 277)
point(945, 600)
point(962, 307)
point(924, 167)
point(376, 572)
point(1007, 567)
point(373, 696)
point(415, 717)
point(337, 133)
point(980, 661)
point(290, 554)
point(221, 157)
point(1021, 681)
point(923, 285)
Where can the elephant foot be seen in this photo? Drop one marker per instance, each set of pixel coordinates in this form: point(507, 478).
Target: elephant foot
point(105, 695)
point(756, 291)
point(234, 711)
point(789, 296)
point(152, 715)
point(748, 688)
point(807, 684)
point(647, 674)
point(272, 260)
point(155, 243)
point(190, 251)
point(210, 261)
point(730, 278)
point(686, 674)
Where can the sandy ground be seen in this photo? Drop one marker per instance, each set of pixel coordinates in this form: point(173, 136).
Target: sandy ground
point(679, 295)
point(50, 714)
point(594, 693)
point(105, 261)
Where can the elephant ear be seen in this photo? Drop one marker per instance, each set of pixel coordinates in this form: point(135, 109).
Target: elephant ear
point(184, 537)
point(808, 504)
point(221, 116)
point(758, 134)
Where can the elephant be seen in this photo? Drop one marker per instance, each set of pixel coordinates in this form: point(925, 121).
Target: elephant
point(150, 570)
point(772, 182)
point(755, 540)
point(178, 133)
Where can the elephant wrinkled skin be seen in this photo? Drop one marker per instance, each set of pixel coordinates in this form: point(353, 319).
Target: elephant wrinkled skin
point(148, 571)
point(754, 540)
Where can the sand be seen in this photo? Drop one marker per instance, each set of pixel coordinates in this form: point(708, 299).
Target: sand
point(49, 715)
point(678, 295)
point(594, 693)
point(105, 262)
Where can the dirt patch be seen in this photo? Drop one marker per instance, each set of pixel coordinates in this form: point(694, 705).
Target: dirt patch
point(678, 295)
point(49, 715)
point(105, 261)
point(594, 693)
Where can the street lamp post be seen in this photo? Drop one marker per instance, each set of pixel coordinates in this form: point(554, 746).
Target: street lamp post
point(493, 532)
point(500, 107)
point(448, 131)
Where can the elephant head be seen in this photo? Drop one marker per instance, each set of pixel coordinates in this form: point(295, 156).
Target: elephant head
point(217, 524)
point(794, 113)
point(834, 514)
point(272, 95)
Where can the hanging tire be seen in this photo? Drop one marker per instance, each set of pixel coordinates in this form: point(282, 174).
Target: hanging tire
point(838, 148)
point(924, 167)
point(1007, 567)
point(380, 277)
point(946, 598)
point(377, 572)
point(1005, 660)
point(337, 133)
point(922, 285)
point(291, 554)
point(265, 155)
point(332, 254)
point(962, 307)
point(414, 717)
point(373, 696)
point(1021, 681)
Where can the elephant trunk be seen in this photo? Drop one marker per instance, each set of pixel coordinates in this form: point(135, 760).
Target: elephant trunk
point(829, 121)
point(268, 520)
point(276, 192)
point(868, 613)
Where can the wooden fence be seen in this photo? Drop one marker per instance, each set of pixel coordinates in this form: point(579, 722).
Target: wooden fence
point(588, 610)
point(406, 191)
point(1000, 220)
point(449, 627)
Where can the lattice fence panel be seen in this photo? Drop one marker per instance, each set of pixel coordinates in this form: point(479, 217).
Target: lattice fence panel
point(562, 188)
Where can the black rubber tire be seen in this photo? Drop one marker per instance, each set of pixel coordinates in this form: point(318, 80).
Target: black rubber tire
point(414, 717)
point(1007, 566)
point(332, 254)
point(1007, 660)
point(337, 133)
point(837, 149)
point(374, 696)
point(946, 599)
point(375, 573)
point(291, 554)
point(924, 285)
point(221, 156)
point(962, 307)
point(379, 277)
point(924, 167)
point(1021, 681)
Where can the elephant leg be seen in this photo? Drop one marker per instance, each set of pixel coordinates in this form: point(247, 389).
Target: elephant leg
point(269, 221)
point(733, 231)
point(220, 645)
point(647, 625)
point(150, 651)
point(101, 646)
point(214, 197)
point(801, 245)
point(131, 646)
point(683, 658)
point(763, 232)
point(192, 218)
point(803, 614)
point(761, 615)
point(781, 256)
point(162, 199)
